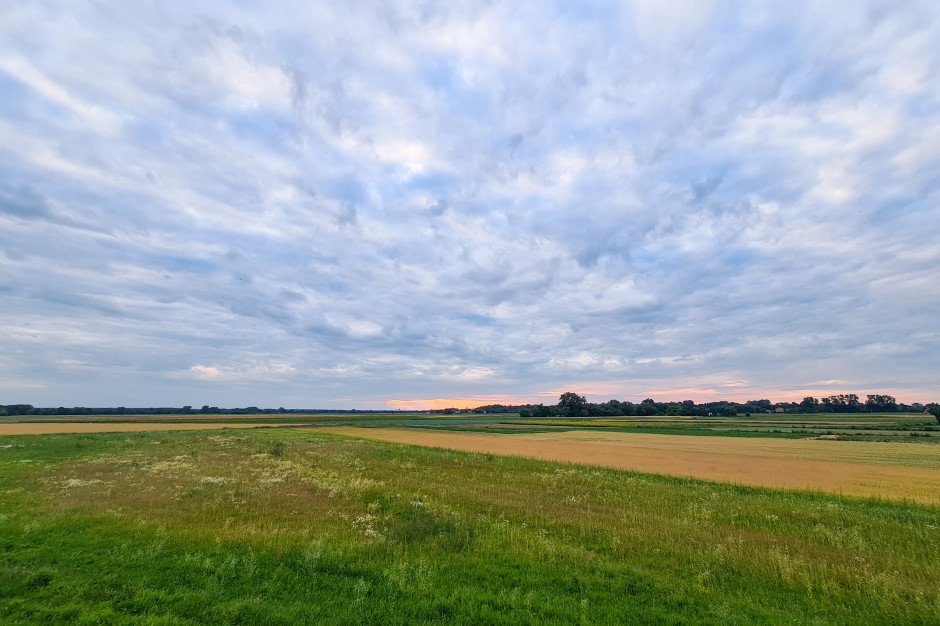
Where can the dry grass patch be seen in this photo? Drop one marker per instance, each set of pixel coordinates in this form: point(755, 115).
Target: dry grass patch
point(217, 486)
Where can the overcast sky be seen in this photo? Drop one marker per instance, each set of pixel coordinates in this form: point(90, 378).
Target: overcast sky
point(342, 204)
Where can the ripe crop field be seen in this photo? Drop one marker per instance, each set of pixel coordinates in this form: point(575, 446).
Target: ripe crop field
point(300, 526)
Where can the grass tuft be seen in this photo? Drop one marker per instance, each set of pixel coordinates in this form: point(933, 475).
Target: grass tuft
point(38, 580)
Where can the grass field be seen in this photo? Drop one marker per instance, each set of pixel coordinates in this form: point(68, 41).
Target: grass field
point(299, 526)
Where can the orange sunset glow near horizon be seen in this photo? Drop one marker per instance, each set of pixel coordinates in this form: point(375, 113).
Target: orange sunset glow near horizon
point(433, 404)
point(602, 393)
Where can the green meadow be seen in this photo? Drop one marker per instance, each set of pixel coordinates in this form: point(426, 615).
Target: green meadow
point(282, 526)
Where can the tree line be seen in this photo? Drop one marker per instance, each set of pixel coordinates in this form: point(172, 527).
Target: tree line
point(571, 404)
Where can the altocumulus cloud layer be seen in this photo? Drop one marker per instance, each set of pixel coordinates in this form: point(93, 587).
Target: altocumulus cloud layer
point(335, 204)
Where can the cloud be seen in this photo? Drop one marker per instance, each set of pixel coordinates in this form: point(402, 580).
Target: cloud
point(250, 371)
point(338, 205)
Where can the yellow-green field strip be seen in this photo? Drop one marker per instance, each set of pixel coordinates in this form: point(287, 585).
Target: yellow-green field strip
point(62, 428)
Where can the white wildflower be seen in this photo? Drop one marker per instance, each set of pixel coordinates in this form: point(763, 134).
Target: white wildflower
point(215, 480)
point(78, 482)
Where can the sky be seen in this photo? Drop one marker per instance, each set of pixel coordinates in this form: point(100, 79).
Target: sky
point(428, 204)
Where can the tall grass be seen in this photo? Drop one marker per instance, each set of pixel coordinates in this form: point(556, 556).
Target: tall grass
point(288, 527)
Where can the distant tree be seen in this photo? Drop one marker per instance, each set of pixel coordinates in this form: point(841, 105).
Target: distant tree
point(934, 409)
point(852, 401)
point(843, 403)
point(725, 410)
point(19, 409)
point(628, 408)
point(809, 404)
point(674, 408)
point(571, 404)
point(650, 407)
point(525, 413)
point(837, 403)
point(881, 403)
point(542, 411)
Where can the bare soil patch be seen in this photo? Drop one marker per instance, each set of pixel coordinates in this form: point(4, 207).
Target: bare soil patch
point(867, 469)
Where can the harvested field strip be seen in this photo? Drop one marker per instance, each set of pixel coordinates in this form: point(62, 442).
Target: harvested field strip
point(61, 428)
point(786, 464)
point(880, 453)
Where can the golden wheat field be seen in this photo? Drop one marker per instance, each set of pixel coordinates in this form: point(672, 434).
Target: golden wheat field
point(869, 469)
